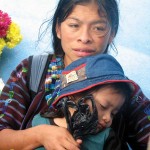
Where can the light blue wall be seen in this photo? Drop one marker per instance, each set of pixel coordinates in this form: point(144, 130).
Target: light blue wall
point(132, 40)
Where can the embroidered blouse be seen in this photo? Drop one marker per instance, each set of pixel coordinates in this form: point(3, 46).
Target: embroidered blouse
point(17, 109)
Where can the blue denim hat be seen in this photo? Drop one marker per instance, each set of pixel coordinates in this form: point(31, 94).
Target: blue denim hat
point(88, 72)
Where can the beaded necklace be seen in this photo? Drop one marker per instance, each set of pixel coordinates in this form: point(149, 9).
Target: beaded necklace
point(52, 82)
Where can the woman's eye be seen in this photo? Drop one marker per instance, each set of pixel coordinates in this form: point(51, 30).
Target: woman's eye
point(99, 28)
point(73, 25)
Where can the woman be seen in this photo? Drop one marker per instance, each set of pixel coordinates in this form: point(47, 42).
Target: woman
point(80, 28)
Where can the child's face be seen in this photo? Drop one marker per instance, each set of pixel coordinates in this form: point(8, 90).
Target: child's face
point(108, 103)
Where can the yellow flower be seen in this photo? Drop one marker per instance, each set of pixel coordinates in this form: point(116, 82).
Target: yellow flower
point(2, 45)
point(10, 34)
point(13, 36)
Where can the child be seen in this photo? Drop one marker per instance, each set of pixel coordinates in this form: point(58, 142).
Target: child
point(93, 90)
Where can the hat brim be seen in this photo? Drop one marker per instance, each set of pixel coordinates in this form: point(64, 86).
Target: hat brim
point(89, 83)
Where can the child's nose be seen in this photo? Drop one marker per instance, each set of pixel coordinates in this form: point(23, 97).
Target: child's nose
point(107, 119)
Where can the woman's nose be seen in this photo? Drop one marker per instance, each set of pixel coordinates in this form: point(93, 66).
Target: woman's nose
point(85, 36)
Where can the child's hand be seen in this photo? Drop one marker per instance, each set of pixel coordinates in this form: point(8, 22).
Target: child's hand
point(79, 141)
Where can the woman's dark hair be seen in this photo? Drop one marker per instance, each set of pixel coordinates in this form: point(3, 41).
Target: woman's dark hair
point(65, 7)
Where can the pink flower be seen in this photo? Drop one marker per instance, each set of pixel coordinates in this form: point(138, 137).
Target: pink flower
point(5, 21)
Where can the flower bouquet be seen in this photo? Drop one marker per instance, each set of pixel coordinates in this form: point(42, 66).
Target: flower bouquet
point(9, 32)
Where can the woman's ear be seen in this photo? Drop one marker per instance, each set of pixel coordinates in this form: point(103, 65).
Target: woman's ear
point(111, 38)
point(58, 32)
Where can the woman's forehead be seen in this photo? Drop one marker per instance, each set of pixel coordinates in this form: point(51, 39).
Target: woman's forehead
point(93, 10)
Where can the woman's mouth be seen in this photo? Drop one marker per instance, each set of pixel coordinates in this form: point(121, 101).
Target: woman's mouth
point(84, 52)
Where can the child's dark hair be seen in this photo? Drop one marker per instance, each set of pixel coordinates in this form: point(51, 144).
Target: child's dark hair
point(122, 88)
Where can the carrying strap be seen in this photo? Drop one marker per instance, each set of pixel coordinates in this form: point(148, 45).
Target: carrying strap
point(36, 72)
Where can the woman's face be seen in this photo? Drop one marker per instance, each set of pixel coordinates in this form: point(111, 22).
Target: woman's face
point(108, 103)
point(80, 33)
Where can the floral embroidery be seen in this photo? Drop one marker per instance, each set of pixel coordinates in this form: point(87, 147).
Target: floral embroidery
point(52, 82)
point(11, 91)
point(136, 99)
point(147, 111)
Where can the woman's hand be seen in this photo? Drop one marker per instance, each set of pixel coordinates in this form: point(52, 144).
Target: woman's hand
point(51, 137)
point(57, 138)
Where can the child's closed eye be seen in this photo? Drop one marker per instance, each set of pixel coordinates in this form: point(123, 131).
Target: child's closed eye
point(103, 106)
